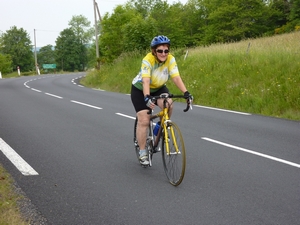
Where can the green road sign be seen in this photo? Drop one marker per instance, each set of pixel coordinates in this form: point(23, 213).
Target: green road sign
point(49, 66)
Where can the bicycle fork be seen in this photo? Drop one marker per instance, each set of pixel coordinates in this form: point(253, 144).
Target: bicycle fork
point(168, 126)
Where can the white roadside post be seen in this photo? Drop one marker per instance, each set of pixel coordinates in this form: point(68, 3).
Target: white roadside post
point(19, 70)
point(0, 75)
point(38, 70)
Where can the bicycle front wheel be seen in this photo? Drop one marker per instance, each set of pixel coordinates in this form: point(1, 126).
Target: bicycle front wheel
point(173, 154)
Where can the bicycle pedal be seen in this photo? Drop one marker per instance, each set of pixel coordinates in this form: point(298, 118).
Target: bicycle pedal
point(156, 150)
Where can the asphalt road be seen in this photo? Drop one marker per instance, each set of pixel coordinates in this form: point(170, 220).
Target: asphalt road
point(70, 150)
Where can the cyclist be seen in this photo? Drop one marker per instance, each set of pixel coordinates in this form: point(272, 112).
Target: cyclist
point(157, 67)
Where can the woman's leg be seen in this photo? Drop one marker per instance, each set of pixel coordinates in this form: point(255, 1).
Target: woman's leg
point(142, 126)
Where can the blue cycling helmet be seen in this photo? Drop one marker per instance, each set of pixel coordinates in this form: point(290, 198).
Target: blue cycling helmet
point(158, 40)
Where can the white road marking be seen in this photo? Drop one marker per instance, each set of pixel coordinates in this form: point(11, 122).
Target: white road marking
point(16, 159)
point(55, 96)
point(253, 152)
point(26, 84)
point(81, 103)
point(73, 81)
point(97, 89)
point(223, 110)
point(130, 117)
point(35, 90)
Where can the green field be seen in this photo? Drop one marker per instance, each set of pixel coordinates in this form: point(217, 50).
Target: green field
point(260, 76)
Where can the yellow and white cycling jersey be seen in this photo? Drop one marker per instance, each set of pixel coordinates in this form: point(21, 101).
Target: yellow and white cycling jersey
point(159, 73)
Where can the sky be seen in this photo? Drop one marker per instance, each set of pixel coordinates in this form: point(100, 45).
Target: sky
point(49, 17)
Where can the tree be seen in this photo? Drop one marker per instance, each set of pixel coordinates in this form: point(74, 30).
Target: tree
point(46, 55)
point(83, 32)
point(282, 11)
point(138, 33)
point(295, 12)
point(67, 51)
point(112, 40)
point(289, 11)
point(171, 22)
point(234, 20)
point(144, 7)
point(5, 63)
point(82, 28)
point(17, 44)
point(194, 19)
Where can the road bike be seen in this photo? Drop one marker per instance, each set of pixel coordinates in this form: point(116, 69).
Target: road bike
point(168, 140)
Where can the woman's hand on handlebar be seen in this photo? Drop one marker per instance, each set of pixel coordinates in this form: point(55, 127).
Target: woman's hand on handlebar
point(188, 96)
point(149, 101)
point(189, 100)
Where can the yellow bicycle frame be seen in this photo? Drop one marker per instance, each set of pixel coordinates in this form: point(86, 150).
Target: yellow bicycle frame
point(165, 121)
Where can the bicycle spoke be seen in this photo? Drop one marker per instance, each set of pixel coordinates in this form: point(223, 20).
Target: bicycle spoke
point(173, 153)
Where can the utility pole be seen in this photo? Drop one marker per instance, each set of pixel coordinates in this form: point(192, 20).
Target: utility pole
point(96, 35)
point(35, 58)
point(100, 19)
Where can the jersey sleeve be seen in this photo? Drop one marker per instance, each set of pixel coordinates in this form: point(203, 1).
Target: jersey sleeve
point(173, 68)
point(145, 69)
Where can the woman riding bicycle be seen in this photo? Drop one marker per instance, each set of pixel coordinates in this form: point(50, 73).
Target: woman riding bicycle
point(157, 67)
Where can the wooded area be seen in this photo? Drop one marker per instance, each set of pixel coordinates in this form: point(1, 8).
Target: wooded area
point(130, 27)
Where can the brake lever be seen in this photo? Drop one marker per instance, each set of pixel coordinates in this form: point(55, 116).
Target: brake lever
point(191, 105)
point(188, 106)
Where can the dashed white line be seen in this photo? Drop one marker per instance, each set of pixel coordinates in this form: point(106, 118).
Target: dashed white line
point(223, 110)
point(253, 152)
point(97, 89)
point(16, 159)
point(35, 90)
point(55, 96)
point(81, 103)
point(130, 117)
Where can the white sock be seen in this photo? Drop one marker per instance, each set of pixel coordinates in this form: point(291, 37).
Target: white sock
point(143, 152)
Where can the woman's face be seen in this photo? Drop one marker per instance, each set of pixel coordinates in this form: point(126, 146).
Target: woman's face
point(162, 52)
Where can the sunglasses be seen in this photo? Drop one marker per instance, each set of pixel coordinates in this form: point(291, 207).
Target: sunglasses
point(161, 51)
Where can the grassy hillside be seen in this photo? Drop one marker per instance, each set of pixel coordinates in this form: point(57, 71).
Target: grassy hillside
point(260, 76)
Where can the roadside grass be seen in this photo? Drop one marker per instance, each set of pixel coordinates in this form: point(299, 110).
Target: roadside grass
point(9, 210)
point(259, 76)
point(10, 75)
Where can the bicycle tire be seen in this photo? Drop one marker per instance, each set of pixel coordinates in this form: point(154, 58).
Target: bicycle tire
point(149, 147)
point(174, 163)
point(136, 146)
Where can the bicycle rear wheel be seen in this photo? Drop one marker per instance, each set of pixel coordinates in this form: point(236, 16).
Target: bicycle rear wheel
point(174, 162)
point(136, 146)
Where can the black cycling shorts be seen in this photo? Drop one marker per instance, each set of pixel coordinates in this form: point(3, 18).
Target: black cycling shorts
point(138, 99)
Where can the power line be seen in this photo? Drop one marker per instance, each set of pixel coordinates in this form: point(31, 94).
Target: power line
point(47, 30)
